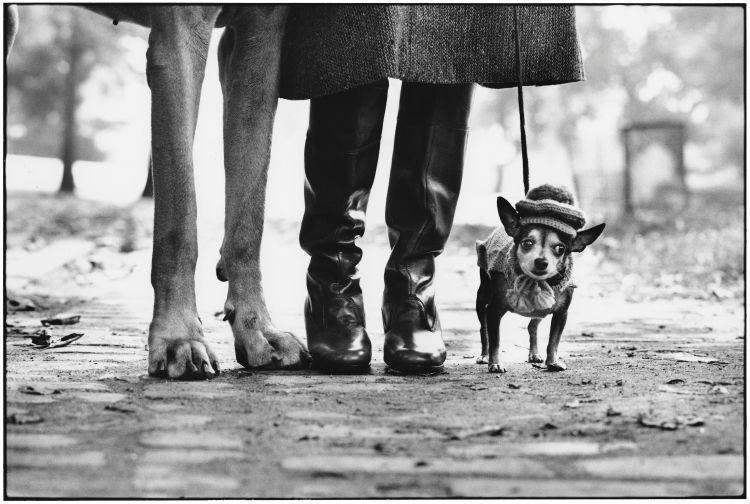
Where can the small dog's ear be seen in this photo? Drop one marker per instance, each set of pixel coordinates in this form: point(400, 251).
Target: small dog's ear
point(508, 216)
point(586, 237)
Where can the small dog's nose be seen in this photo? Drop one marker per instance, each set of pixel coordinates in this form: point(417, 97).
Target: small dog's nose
point(540, 264)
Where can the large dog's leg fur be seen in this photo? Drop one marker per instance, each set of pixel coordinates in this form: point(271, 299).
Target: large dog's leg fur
point(249, 59)
point(176, 58)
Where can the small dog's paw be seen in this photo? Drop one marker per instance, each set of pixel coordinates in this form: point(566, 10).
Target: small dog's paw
point(483, 359)
point(535, 357)
point(497, 368)
point(557, 365)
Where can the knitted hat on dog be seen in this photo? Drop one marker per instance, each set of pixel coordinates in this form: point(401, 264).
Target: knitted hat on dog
point(551, 206)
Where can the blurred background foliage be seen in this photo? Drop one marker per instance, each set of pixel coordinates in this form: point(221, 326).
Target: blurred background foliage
point(76, 91)
point(64, 55)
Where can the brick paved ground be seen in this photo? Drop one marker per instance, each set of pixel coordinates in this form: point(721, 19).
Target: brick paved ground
point(652, 403)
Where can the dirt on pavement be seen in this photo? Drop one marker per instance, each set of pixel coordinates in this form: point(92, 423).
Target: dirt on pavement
point(652, 403)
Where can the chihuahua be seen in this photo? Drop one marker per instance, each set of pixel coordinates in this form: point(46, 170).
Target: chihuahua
point(525, 267)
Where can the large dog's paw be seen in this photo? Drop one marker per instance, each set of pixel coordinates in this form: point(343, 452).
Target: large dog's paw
point(556, 365)
point(268, 348)
point(498, 367)
point(535, 357)
point(483, 359)
point(184, 357)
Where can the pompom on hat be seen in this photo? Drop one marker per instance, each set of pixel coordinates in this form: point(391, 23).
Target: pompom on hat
point(551, 206)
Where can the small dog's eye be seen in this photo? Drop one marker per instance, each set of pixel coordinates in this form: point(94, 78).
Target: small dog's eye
point(527, 244)
point(559, 249)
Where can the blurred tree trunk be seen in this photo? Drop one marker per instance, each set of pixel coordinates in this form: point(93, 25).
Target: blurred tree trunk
point(148, 191)
point(70, 105)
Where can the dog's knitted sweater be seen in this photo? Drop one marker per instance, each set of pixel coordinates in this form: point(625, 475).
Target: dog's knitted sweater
point(525, 296)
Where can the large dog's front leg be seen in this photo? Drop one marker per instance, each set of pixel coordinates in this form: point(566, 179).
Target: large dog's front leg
point(178, 46)
point(249, 54)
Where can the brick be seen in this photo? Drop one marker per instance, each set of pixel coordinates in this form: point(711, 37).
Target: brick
point(181, 439)
point(687, 467)
point(414, 466)
point(179, 421)
point(15, 440)
point(49, 386)
point(190, 390)
point(105, 397)
point(356, 432)
point(320, 416)
point(14, 396)
point(181, 484)
point(15, 458)
point(480, 487)
point(551, 448)
point(195, 456)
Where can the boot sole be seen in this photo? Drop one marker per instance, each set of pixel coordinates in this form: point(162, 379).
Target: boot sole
point(341, 368)
point(417, 370)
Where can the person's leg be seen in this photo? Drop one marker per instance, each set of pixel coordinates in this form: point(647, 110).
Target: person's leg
point(422, 194)
point(341, 155)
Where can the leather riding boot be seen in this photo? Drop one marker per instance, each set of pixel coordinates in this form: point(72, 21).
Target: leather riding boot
point(341, 156)
point(423, 191)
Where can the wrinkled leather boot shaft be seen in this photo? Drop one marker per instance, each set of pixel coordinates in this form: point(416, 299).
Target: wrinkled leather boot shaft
point(423, 191)
point(341, 156)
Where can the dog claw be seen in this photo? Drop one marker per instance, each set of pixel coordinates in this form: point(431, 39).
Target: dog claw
point(220, 272)
point(482, 359)
point(556, 366)
point(208, 370)
point(497, 368)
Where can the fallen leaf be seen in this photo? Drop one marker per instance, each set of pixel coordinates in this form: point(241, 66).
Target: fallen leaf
point(478, 387)
point(587, 334)
point(695, 422)
point(490, 430)
point(675, 381)
point(119, 409)
point(514, 386)
point(613, 412)
point(28, 389)
point(20, 304)
point(548, 426)
point(23, 418)
point(573, 404)
point(468, 356)
point(40, 338)
point(61, 320)
point(47, 343)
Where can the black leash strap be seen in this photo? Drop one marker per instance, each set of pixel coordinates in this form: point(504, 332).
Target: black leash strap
point(519, 66)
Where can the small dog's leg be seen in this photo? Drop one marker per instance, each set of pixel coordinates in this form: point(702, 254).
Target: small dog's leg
point(495, 311)
point(534, 355)
point(483, 298)
point(559, 318)
point(176, 59)
point(249, 58)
